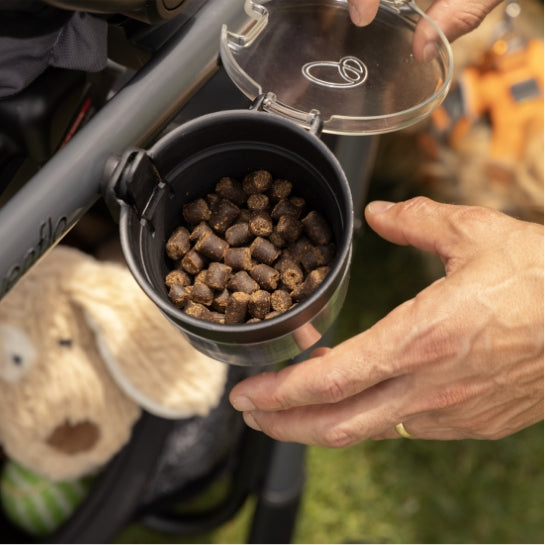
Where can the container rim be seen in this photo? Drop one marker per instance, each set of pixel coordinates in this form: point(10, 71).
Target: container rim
point(304, 311)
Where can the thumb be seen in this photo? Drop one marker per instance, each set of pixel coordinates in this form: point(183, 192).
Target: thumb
point(362, 12)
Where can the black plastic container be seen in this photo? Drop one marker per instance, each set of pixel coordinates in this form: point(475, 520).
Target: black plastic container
point(152, 186)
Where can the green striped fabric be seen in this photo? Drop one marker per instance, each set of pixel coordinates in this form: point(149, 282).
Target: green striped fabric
point(35, 504)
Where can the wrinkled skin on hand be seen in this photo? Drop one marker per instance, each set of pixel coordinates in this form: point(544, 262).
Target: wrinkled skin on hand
point(462, 359)
point(454, 18)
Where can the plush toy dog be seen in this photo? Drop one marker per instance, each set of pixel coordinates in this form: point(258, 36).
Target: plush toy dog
point(82, 351)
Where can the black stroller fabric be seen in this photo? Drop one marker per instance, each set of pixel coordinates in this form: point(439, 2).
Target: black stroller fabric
point(196, 445)
point(34, 36)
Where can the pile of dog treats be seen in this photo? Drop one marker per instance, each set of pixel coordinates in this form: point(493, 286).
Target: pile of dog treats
point(247, 252)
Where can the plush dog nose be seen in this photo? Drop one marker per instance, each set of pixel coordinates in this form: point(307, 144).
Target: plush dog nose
point(73, 438)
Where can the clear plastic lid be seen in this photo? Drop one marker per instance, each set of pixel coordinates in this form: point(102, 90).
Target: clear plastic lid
point(307, 59)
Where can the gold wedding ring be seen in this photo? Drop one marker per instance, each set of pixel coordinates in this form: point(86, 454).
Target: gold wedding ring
point(400, 428)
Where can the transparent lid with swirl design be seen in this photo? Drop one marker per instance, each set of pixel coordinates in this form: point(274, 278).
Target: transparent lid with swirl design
point(305, 58)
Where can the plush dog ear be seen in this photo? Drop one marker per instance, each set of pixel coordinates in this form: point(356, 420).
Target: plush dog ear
point(151, 360)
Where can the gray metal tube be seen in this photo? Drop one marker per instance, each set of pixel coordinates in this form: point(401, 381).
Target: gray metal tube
point(49, 204)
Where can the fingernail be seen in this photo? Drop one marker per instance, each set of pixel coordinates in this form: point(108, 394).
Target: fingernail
point(242, 403)
point(430, 51)
point(250, 421)
point(377, 207)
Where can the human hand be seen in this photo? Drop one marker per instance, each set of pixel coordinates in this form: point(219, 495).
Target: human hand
point(463, 359)
point(453, 17)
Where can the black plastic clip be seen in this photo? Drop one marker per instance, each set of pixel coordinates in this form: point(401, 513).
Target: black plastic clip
point(134, 182)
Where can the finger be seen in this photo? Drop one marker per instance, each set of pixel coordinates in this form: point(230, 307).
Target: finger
point(323, 379)
point(320, 351)
point(419, 428)
point(362, 12)
point(370, 413)
point(351, 367)
point(306, 336)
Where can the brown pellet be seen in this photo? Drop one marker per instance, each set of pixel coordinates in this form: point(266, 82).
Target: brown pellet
point(196, 211)
point(198, 230)
point(316, 228)
point(258, 201)
point(179, 277)
point(289, 227)
point(277, 240)
point(261, 224)
point(239, 234)
point(291, 274)
point(316, 277)
point(235, 312)
point(216, 317)
point(299, 203)
point(265, 276)
point(180, 295)
point(239, 258)
point(281, 300)
point(283, 207)
point(242, 281)
point(314, 257)
point(285, 260)
point(264, 251)
point(217, 275)
point(211, 246)
point(280, 189)
point(309, 285)
point(300, 247)
point(213, 200)
point(328, 251)
point(193, 262)
point(178, 244)
point(291, 278)
point(231, 190)
point(225, 214)
point(197, 310)
point(220, 301)
point(200, 277)
point(259, 304)
point(257, 182)
point(201, 293)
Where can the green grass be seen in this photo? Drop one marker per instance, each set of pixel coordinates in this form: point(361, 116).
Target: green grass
point(426, 492)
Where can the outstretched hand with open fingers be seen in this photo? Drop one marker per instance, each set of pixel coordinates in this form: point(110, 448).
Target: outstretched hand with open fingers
point(463, 359)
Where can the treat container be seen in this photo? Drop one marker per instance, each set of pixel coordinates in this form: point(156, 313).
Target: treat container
point(190, 160)
point(308, 70)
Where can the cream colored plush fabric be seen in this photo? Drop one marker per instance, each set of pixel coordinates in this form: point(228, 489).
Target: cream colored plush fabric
point(82, 350)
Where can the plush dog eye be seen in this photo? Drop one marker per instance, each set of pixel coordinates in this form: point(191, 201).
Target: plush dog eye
point(65, 342)
point(16, 352)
